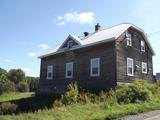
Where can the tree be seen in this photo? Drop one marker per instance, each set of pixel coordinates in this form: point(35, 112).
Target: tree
point(3, 72)
point(6, 85)
point(16, 76)
point(32, 83)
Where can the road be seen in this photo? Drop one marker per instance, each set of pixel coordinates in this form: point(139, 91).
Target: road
point(151, 115)
point(156, 117)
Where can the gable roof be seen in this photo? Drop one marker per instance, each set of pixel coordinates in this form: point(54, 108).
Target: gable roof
point(104, 35)
point(76, 39)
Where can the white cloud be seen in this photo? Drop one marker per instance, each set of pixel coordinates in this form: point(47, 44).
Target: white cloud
point(76, 17)
point(26, 69)
point(61, 23)
point(44, 46)
point(32, 54)
point(8, 61)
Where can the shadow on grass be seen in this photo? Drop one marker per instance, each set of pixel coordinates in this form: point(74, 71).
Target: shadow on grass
point(33, 104)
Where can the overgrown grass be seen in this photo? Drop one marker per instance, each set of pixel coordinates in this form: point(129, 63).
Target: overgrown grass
point(85, 112)
point(75, 105)
point(14, 96)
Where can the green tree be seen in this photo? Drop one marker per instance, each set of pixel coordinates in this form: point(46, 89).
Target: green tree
point(3, 72)
point(6, 85)
point(16, 76)
point(32, 83)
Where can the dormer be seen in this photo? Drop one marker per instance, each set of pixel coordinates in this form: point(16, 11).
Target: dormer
point(69, 43)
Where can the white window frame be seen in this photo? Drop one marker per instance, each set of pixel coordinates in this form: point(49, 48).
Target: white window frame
point(144, 66)
point(128, 38)
point(68, 44)
point(67, 69)
point(50, 70)
point(91, 67)
point(142, 46)
point(130, 59)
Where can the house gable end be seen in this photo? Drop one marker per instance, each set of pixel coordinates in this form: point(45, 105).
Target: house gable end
point(70, 42)
point(134, 31)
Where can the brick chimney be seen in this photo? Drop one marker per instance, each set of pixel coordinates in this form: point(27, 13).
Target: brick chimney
point(97, 27)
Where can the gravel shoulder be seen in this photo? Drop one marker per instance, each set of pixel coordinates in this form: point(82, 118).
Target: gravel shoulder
point(152, 115)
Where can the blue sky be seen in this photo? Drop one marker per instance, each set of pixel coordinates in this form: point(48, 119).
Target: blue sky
point(29, 27)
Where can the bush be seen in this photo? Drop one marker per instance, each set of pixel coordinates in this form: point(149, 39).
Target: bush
point(22, 87)
point(71, 96)
point(134, 92)
point(6, 85)
point(7, 108)
point(108, 97)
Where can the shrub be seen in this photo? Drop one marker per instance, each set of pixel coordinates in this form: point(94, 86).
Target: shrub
point(58, 103)
point(108, 97)
point(133, 93)
point(7, 108)
point(71, 95)
point(152, 87)
point(22, 87)
point(6, 85)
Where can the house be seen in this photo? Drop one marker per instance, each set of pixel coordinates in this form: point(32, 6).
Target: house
point(98, 60)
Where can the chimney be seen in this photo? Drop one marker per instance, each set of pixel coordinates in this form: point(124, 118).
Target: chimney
point(86, 34)
point(97, 27)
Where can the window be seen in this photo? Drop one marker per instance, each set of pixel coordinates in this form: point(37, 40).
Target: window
point(49, 72)
point(142, 46)
point(130, 67)
point(69, 70)
point(144, 67)
point(70, 44)
point(95, 67)
point(128, 39)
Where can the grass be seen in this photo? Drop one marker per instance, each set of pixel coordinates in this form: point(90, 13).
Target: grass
point(85, 112)
point(78, 111)
point(14, 96)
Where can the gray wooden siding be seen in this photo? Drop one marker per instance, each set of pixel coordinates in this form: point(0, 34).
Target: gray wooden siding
point(81, 68)
point(134, 52)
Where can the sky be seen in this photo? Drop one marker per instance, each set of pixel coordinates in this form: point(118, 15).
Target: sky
point(30, 27)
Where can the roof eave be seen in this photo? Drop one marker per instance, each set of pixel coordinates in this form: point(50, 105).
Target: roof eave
point(82, 46)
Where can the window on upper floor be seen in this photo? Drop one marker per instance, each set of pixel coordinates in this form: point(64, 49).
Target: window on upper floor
point(50, 72)
point(142, 46)
point(69, 70)
point(144, 67)
point(95, 67)
point(70, 44)
point(128, 39)
point(130, 67)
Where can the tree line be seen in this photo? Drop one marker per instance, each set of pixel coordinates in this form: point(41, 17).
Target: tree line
point(15, 80)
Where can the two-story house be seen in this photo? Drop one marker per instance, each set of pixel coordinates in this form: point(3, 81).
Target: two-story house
point(98, 60)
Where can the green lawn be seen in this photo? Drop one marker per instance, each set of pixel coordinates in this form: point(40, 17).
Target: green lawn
point(87, 111)
point(14, 96)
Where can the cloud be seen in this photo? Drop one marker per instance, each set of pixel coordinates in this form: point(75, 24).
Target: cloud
point(26, 69)
point(44, 46)
point(32, 54)
point(8, 61)
point(76, 17)
point(61, 23)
